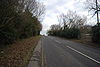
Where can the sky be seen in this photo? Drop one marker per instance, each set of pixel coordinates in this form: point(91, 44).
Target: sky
point(56, 7)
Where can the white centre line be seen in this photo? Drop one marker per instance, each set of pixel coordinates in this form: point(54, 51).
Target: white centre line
point(84, 54)
point(58, 41)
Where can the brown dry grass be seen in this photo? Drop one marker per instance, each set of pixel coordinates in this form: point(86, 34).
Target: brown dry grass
point(18, 54)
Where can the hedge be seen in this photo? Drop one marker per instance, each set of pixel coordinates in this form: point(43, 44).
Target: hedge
point(96, 33)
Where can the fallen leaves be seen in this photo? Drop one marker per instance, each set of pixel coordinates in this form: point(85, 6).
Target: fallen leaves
point(18, 54)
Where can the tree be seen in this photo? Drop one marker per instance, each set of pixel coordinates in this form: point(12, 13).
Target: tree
point(94, 6)
point(69, 25)
point(72, 19)
point(38, 9)
point(19, 19)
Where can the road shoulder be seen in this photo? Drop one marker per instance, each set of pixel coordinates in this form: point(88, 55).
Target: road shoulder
point(35, 60)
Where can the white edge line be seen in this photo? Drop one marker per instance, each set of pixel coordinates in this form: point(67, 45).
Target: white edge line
point(81, 53)
point(43, 56)
point(84, 55)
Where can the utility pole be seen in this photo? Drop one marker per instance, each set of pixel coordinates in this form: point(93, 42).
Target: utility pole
point(97, 12)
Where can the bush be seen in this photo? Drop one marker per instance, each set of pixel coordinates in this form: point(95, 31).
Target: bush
point(71, 33)
point(15, 23)
point(66, 33)
point(96, 33)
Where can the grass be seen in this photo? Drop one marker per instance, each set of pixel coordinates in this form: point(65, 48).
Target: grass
point(18, 54)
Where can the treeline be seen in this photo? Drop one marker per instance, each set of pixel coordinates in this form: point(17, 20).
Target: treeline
point(19, 19)
point(70, 25)
point(66, 33)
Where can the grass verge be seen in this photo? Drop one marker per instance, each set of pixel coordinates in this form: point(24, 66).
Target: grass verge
point(19, 53)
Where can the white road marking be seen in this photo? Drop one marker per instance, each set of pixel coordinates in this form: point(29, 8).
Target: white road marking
point(55, 40)
point(81, 53)
point(58, 41)
point(84, 55)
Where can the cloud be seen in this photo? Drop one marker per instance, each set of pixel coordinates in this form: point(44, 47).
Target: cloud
point(56, 7)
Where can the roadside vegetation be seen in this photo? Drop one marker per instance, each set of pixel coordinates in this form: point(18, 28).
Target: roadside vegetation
point(20, 26)
point(73, 26)
point(19, 53)
point(19, 19)
point(96, 33)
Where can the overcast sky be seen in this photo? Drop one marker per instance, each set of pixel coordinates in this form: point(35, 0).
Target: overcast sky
point(57, 7)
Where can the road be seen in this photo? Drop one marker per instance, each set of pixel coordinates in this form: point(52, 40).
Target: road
point(63, 53)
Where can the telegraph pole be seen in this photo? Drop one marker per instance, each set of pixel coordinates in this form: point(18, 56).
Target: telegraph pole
point(97, 12)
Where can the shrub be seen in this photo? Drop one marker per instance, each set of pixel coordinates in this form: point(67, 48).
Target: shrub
point(71, 33)
point(96, 33)
point(66, 33)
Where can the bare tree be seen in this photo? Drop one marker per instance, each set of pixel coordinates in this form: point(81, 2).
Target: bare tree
point(93, 6)
point(36, 8)
point(55, 27)
point(72, 19)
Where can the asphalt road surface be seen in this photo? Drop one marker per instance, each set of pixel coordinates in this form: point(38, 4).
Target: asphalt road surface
point(63, 53)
